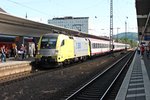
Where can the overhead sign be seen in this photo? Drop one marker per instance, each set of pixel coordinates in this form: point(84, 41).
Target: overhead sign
point(147, 37)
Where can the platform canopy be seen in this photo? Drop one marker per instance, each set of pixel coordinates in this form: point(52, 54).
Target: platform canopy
point(143, 19)
point(12, 25)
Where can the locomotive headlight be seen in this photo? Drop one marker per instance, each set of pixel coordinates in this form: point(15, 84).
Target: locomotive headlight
point(38, 52)
point(56, 52)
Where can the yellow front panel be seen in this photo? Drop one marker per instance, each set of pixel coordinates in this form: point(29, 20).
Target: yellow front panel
point(89, 52)
point(39, 43)
point(38, 48)
point(66, 51)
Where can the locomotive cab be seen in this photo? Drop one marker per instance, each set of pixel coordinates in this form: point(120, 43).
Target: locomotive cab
point(55, 48)
point(48, 48)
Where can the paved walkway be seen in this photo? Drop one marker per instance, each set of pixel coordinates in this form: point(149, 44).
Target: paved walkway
point(136, 85)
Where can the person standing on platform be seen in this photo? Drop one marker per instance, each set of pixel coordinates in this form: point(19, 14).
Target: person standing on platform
point(3, 56)
point(23, 51)
point(148, 50)
point(138, 49)
point(16, 52)
point(142, 50)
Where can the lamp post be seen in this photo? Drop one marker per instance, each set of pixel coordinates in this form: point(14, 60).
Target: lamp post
point(117, 33)
point(103, 31)
point(126, 33)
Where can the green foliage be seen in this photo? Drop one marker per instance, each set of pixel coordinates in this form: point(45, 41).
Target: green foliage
point(128, 41)
point(131, 38)
point(130, 35)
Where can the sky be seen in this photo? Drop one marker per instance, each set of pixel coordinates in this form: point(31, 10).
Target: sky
point(98, 12)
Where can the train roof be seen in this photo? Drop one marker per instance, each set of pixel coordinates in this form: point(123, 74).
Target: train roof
point(81, 35)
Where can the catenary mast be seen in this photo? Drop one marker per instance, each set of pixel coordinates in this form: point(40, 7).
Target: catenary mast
point(111, 26)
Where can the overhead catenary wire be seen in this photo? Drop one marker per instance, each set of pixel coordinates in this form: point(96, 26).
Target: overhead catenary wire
point(22, 5)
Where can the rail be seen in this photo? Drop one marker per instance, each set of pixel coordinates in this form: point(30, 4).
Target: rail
point(90, 90)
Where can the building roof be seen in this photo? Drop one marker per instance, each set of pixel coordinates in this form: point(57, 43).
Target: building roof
point(143, 16)
point(1, 10)
point(69, 17)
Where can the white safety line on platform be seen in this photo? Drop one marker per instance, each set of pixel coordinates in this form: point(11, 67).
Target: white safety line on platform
point(141, 77)
point(146, 80)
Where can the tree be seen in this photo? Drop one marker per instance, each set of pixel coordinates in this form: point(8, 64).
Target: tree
point(128, 41)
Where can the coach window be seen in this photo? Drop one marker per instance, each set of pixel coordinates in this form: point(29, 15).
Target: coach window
point(105, 45)
point(96, 45)
point(102, 45)
point(93, 45)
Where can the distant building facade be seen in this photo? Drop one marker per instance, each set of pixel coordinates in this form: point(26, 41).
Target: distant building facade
point(76, 23)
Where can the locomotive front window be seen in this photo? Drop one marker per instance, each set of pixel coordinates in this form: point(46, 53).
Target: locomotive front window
point(48, 42)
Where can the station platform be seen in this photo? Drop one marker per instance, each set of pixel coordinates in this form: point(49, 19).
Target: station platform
point(136, 85)
point(15, 66)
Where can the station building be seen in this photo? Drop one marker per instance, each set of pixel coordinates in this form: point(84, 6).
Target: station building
point(77, 23)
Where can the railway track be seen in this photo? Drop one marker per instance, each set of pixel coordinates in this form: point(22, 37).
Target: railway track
point(101, 87)
point(30, 74)
point(25, 75)
point(55, 83)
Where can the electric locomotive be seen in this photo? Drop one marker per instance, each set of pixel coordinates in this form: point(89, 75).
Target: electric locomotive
point(60, 48)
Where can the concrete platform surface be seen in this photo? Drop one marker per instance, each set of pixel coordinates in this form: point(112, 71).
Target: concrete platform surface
point(15, 66)
point(136, 85)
